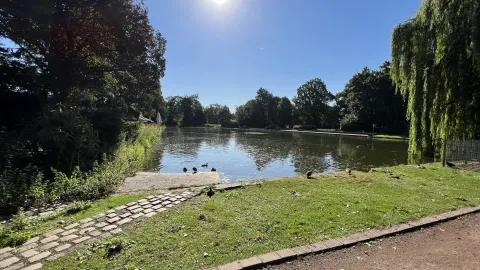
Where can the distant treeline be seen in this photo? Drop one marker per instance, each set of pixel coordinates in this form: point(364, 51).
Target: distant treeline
point(368, 99)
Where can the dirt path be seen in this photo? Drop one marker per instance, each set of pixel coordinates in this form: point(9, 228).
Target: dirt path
point(451, 245)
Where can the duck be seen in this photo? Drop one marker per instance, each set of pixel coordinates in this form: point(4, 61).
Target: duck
point(213, 170)
point(205, 165)
point(185, 170)
point(309, 174)
point(347, 170)
point(194, 169)
point(210, 192)
point(451, 165)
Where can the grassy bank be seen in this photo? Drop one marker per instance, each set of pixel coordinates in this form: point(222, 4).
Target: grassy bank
point(389, 137)
point(131, 155)
point(26, 229)
point(274, 215)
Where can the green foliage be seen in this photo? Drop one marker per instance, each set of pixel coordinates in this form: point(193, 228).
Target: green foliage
point(218, 114)
point(250, 115)
point(131, 155)
point(266, 110)
point(77, 206)
point(17, 231)
point(77, 71)
point(369, 98)
point(435, 66)
point(60, 60)
point(185, 111)
point(284, 111)
point(26, 188)
point(19, 222)
point(312, 102)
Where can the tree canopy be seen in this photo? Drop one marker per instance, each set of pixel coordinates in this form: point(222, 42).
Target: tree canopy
point(266, 110)
point(369, 98)
point(82, 53)
point(185, 111)
point(218, 114)
point(312, 102)
point(435, 65)
point(86, 62)
point(72, 73)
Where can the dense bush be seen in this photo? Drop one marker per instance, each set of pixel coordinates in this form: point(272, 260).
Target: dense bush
point(28, 187)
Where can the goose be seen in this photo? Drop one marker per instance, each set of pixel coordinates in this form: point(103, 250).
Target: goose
point(210, 192)
point(205, 165)
point(194, 169)
point(185, 170)
point(213, 170)
point(309, 174)
point(451, 165)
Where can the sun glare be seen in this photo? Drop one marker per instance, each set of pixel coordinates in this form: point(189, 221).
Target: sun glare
point(220, 1)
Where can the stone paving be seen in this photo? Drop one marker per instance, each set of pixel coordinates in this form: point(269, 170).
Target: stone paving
point(57, 243)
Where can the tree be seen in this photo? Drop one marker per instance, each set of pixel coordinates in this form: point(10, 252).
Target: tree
point(369, 98)
point(218, 114)
point(312, 102)
point(60, 40)
point(266, 101)
point(284, 112)
point(435, 66)
point(251, 114)
point(224, 115)
point(87, 62)
point(185, 111)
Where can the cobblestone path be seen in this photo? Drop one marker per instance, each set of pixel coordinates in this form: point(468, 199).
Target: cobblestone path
point(57, 243)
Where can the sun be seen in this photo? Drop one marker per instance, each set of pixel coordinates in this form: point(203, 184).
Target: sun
point(220, 1)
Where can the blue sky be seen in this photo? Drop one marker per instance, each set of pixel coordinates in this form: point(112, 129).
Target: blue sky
point(225, 52)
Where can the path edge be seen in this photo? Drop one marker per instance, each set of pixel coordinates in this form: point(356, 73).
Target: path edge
point(288, 254)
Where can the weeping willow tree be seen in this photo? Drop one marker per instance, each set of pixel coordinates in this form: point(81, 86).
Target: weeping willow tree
point(436, 66)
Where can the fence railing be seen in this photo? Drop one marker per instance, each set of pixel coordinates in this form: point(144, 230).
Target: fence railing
point(461, 151)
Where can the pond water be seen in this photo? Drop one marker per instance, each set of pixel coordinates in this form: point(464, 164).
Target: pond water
point(238, 154)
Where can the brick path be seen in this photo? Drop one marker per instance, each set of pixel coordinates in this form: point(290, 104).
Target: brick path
point(57, 243)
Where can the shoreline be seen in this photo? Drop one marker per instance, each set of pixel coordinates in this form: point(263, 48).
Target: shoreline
point(378, 136)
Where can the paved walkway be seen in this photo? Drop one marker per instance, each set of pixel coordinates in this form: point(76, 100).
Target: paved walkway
point(57, 243)
point(150, 181)
point(451, 245)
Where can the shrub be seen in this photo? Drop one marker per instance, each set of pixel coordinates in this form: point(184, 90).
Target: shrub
point(17, 231)
point(304, 127)
point(27, 186)
point(19, 222)
point(76, 207)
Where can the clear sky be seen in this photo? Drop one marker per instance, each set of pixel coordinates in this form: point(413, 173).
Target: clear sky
point(225, 51)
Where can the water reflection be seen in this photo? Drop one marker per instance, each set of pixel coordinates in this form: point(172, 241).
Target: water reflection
point(241, 155)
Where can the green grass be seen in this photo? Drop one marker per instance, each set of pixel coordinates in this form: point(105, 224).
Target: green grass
point(213, 125)
point(390, 137)
point(42, 226)
point(240, 223)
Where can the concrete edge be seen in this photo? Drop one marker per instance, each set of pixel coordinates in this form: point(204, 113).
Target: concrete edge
point(276, 257)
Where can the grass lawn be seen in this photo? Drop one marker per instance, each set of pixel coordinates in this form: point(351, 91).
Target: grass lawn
point(390, 137)
point(42, 226)
point(240, 223)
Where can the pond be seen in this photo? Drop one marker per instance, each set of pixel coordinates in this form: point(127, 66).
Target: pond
point(239, 154)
